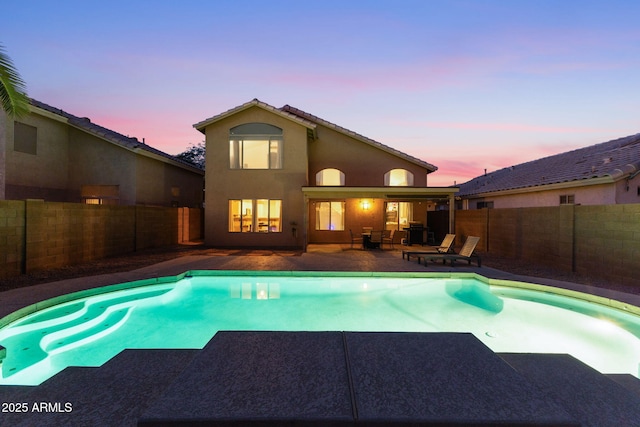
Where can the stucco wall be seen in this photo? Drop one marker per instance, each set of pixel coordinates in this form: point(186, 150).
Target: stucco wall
point(362, 164)
point(602, 241)
point(224, 183)
point(4, 137)
point(68, 158)
point(40, 175)
point(590, 195)
point(628, 191)
point(96, 162)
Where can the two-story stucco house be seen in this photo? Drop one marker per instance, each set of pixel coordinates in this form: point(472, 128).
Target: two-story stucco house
point(280, 177)
point(602, 174)
point(55, 156)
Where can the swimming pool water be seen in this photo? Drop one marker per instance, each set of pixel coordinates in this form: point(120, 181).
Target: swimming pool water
point(187, 313)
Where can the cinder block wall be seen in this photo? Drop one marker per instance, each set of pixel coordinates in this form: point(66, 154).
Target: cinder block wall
point(37, 235)
point(12, 237)
point(472, 223)
point(602, 241)
point(156, 227)
point(608, 241)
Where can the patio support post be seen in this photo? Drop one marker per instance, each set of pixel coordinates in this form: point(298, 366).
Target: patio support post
point(452, 216)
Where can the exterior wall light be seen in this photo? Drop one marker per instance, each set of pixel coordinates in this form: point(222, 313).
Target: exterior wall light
point(366, 205)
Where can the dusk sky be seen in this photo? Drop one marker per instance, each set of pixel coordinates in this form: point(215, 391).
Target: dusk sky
point(464, 85)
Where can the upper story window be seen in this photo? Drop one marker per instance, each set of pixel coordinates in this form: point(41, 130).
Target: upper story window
point(255, 146)
point(25, 138)
point(330, 177)
point(398, 178)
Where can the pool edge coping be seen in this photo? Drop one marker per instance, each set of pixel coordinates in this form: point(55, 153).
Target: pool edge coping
point(515, 282)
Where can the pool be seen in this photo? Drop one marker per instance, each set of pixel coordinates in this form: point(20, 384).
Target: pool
point(185, 312)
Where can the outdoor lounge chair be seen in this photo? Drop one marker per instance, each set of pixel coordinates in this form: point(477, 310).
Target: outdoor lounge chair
point(466, 253)
point(445, 247)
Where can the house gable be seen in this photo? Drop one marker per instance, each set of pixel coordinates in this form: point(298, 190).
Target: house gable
point(314, 119)
point(62, 157)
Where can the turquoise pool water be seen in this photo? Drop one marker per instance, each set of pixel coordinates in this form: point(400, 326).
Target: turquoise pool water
point(188, 312)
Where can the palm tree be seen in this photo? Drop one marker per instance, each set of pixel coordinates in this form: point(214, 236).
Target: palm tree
point(13, 94)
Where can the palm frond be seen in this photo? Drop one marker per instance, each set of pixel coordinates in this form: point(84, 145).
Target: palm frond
point(13, 93)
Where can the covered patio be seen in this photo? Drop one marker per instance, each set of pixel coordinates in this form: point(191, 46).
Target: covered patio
point(332, 211)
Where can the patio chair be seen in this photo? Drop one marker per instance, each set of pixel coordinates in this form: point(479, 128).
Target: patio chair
point(389, 239)
point(376, 239)
point(355, 238)
point(445, 247)
point(466, 253)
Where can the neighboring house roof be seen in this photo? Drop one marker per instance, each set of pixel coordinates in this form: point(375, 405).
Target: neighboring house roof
point(310, 121)
point(362, 138)
point(129, 143)
point(605, 162)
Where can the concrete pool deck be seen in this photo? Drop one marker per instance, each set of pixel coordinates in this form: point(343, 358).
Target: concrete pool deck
point(121, 393)
point(326, 257)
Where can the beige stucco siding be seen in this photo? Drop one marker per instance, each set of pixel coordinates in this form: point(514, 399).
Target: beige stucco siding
point(96, 162)
point(70, 156)
point(161, 184)
point(223, 183)
point(43, 172)
point(362, 163)
point(589, 195)
point(628, 191)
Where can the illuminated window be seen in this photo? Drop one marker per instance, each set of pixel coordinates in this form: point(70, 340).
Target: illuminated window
point(398, 178)
point(330, 177)
point(255, 216)
point(330, 216)
point(255, 146)
point(100, 194)
point(398, 215)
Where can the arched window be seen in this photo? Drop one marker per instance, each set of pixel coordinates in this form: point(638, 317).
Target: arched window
point(255, 146)
point(330, 177)
point(398, 178)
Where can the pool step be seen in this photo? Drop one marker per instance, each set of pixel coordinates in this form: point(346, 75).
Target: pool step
point(590, 397)
point(114, 394)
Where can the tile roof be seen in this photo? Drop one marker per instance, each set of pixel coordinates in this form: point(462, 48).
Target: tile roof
point(315, 119)
point(254, 103)
point(615, 159)
point(130, 143)
point(310, 121)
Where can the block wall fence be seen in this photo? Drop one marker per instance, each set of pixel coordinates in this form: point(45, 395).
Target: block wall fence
point(598, 241)
point(37, 235)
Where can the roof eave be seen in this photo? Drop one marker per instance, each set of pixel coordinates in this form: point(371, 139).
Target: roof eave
point(607, 179)
point(201, 126)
